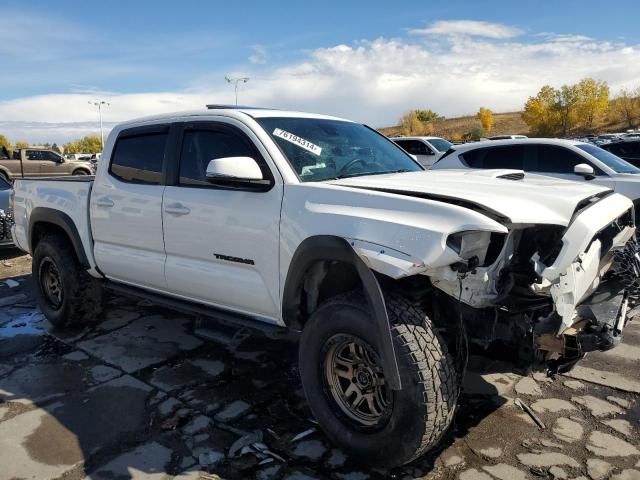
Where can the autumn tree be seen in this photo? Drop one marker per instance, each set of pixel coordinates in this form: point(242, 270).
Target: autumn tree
point(567, 100)
point(592, 102)
point(21, 144)
point(486, 119)
point(4, 142)
point(627, 106)
point(541, 112)
point(88, 144)
point(410, 124)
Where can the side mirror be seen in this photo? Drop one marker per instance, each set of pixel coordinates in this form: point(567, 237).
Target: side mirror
point(234, 169)
point(584, 170)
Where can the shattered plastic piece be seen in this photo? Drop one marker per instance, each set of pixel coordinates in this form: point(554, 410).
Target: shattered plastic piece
point(11, 283)
point(302, 435)
point(245, 440)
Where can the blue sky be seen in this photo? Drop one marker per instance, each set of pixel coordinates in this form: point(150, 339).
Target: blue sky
point(368, 60)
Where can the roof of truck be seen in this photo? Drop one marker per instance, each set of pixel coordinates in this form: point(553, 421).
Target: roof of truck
point(233, 112)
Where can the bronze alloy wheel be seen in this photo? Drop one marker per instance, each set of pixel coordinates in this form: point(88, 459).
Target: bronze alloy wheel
point(51, 283)
point(355, 381)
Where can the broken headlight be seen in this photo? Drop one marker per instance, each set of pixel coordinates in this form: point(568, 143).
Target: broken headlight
point(485, 246)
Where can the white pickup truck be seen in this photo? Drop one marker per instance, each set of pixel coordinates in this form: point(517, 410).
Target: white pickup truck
point(312, 224)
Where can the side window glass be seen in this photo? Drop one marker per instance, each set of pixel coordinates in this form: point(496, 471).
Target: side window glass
point(504, 157)
point(49, 156)
point(34, 155)
point(552, 159)
point(199, 147)
point(138, 159)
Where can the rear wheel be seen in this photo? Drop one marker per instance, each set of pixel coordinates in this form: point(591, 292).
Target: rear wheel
point(344, 383)
point(66, 293)
point(80, 172)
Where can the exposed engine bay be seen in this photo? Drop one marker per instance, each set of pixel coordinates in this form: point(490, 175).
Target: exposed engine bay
point(516, 289)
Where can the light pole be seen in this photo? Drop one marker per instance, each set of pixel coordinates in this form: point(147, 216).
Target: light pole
point(99, 105)
point(235, 81)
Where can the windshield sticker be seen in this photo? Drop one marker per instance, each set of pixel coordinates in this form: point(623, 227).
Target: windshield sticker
point(301, 142)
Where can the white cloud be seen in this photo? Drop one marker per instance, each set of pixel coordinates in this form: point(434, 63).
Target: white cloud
point(472, 28)
point(371, 81)
point(259, 55)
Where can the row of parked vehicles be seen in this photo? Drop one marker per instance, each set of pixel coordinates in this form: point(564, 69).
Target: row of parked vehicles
point(323, 230)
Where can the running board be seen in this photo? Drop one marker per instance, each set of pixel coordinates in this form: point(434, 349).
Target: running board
point(212, 323)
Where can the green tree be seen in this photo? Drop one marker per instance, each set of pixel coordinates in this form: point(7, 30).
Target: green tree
point(4, 142)
point(486, 118)
point(427, 116)
point(55, 147)
point(477, 132)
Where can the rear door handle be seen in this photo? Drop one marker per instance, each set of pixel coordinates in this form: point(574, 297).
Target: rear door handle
point(104, 202)
point(177, 209)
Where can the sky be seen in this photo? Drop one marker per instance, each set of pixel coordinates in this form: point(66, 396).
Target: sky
point(370, 61)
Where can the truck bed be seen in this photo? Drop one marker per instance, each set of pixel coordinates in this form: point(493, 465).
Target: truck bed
point(37, 198)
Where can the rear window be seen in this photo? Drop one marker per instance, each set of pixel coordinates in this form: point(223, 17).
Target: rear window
point(138, 158)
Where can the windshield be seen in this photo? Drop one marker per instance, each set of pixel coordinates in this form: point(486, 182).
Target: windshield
point(320, 149)
point(615, 163)
point(440, 144)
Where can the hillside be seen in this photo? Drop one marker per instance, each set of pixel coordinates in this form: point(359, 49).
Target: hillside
point(505, 123)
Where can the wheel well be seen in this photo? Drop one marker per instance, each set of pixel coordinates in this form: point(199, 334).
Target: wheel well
point(322, 280)
point(43, 229)
point(81, 169)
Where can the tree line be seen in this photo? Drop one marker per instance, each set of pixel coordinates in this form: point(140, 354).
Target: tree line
point(86, 144)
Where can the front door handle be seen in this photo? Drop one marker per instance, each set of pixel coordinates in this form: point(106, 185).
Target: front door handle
point(177, 209)
point(104, 202)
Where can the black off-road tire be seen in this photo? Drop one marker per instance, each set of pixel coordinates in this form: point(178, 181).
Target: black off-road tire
point(419, 414)
point(82, 294)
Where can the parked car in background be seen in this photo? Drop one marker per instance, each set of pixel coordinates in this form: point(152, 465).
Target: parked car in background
point(426, 150)
point(6, 215)
point(38, 162)
point(628, 149)
point(567, 159)
point(506, 137)
point(331, 231)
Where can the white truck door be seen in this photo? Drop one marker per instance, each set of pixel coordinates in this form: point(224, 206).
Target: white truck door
point(222, 241)
point(126, 214)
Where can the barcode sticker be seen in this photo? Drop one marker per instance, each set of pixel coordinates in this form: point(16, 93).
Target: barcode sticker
point(301, 142)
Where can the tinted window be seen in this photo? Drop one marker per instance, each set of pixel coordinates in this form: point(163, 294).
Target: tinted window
point(34, 155)
point(50, 156)
point(617, 164)
point(199, 147)
point(414, 147)
point(440, 144)
point(4, 185)
point(499, 157)
point(138, 159)
point(553, 159)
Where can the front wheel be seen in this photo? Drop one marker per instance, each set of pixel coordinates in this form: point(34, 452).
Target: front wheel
point(346, 390)
point(80, 172)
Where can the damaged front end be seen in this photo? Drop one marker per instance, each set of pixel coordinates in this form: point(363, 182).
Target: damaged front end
point(553, 293)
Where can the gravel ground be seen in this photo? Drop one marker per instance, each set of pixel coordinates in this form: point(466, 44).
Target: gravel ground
point(143, 395)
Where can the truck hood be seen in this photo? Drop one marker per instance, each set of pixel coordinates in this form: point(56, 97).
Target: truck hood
point(515, 198)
